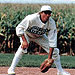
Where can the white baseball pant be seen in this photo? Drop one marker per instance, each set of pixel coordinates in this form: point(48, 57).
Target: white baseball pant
point(43, 42)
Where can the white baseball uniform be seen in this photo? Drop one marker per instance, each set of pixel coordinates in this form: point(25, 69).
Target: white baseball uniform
point(44, 41)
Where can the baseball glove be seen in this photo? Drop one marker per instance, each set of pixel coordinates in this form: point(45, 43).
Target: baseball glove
point(46, 65)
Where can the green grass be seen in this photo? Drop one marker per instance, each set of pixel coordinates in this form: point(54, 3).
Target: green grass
point(68, 61)
point(35, 60)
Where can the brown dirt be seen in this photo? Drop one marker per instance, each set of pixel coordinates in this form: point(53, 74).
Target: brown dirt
point(33, 71)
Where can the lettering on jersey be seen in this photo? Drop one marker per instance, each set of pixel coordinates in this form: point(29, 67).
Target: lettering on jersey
point(37, 30)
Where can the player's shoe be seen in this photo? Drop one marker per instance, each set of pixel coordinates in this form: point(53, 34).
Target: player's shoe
point(11, 72)
point(63, 73)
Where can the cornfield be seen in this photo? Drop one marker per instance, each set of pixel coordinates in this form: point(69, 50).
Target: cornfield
point(64, 16)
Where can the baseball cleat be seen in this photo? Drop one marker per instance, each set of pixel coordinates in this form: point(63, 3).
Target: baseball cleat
point(11, 72)
point(63, 73)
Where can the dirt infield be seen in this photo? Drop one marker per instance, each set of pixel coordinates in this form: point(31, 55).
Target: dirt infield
point(33, 71)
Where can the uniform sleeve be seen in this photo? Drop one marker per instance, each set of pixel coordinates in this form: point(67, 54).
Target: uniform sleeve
point(52, 35)
point(21, 28)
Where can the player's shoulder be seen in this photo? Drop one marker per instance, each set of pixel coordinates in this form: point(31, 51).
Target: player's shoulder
point(32, 16)
point(52, 23)
point(51, 19)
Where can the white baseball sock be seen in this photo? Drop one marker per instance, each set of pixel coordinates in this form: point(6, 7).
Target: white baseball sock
point(58, 64)
point(16, 59)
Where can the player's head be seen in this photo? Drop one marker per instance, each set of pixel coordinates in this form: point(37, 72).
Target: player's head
point(45, 12)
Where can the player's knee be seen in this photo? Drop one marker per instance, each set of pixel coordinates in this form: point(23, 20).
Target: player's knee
point(56, 51)
point(56, 54)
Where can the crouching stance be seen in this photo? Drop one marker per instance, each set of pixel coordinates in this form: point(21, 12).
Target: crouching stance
point(34, 28)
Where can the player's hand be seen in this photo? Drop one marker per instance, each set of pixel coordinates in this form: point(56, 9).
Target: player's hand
point(46, 65)
point(24, 45)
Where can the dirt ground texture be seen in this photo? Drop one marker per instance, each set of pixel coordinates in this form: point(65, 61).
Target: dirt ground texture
point(33, 71)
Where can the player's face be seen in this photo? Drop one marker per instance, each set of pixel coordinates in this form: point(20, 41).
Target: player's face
point(45, 16)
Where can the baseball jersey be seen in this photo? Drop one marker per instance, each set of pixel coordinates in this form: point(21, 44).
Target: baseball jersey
point(32, 25)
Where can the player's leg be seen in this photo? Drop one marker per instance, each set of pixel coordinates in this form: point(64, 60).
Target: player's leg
point(57, 62)
point(16, 59)
point(56, 58)
point(44, 43)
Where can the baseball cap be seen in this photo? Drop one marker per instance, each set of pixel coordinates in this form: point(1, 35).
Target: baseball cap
point(46, 8)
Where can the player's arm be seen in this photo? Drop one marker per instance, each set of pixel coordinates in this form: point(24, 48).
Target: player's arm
point(52, 36)
point(52, 42)
point(20, 31)
point(50, 53)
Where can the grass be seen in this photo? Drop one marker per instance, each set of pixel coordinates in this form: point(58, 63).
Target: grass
point(68, 61)
point(35, 60)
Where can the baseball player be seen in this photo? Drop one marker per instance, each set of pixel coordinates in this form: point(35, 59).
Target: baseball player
point(34, 28)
